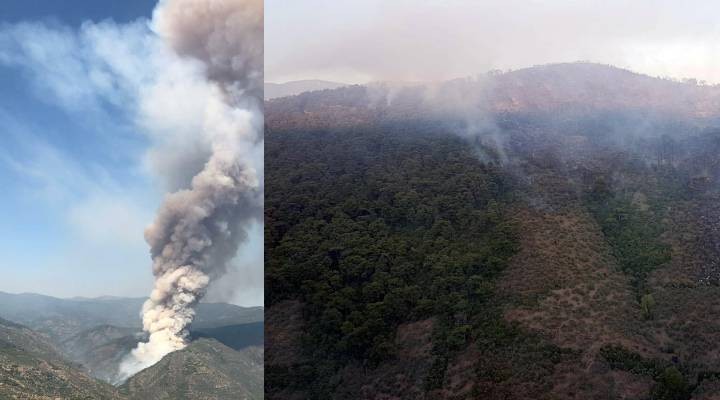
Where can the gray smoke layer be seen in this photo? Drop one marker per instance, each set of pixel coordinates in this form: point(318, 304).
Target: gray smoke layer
point(226, 35)
point(199, 229)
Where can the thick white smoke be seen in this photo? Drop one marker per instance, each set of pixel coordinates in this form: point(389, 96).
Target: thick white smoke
point(199, 229)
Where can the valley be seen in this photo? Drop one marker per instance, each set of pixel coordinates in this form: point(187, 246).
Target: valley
point(72, 348)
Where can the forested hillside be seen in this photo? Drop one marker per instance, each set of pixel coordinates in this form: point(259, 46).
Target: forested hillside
point(53, 357)
point(528, 252)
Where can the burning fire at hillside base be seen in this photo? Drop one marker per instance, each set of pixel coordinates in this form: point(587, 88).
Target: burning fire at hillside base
point(198, 230)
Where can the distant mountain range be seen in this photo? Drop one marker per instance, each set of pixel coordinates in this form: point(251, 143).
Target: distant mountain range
point(275, 90)
point(71, 348)
point(63, 318)
point(33, 368)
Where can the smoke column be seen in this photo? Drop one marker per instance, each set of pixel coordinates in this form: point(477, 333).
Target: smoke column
point(199, 229)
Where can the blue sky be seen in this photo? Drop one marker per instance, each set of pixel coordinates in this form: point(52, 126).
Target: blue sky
point(79, 149)
point(57, 157)
point(75, 12)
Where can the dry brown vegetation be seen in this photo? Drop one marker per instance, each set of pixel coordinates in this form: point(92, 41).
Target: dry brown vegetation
point(614, 292)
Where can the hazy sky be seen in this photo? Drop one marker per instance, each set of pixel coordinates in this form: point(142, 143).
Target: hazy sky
point(77, 152)
point(359, 41)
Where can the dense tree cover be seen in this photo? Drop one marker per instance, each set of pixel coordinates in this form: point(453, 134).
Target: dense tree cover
point(374, 227)
point(633, 236)
point(671, 381)
point(632, 223)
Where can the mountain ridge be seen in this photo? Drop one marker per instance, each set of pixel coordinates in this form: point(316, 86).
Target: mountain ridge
point(31, 368)
point(205, 369)
point(63, 318)
point(291, 88)
point(563, 88)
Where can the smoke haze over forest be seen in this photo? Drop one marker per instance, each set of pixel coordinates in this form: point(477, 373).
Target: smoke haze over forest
point(357, 42)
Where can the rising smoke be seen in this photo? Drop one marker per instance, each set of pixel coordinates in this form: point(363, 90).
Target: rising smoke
point(198, 229)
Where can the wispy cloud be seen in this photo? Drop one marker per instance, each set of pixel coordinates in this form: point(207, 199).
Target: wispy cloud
point(94, 203)
point(100, 220)
point(118, 72)
point(123, 81)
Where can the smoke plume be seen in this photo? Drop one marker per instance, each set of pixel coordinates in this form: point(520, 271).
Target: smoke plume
point(199, 229)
